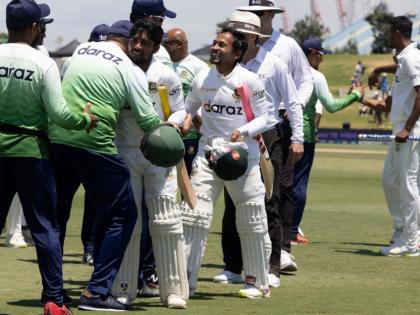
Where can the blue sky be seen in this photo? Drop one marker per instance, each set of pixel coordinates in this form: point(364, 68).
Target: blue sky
point(76, 18)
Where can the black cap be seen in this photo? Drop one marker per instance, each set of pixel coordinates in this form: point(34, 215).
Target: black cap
point(121, 28)
point(99, 33)
point(151, 7)
point(314, 44)
point(21, 14)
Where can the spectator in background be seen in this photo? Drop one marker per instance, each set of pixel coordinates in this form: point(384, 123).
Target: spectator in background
point(358, 71)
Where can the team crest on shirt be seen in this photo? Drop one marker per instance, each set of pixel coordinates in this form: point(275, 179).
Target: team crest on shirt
point(184, 74)
point(124, 286)
point(153, 86)
point(236, 94)
point(259, 94)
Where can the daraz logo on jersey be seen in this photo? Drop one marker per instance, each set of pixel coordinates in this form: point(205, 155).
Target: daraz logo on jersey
point(98, 52)
point(222, 109)
point(17, 73)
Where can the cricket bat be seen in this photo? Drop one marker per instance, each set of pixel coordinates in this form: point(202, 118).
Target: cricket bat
point(184, 182)
point(265, 161)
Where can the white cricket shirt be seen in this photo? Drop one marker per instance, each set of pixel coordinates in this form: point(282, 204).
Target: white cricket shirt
point(128, 132)
point(221, 107)
point(279, 87)
point(288, 50)
point(406, 78)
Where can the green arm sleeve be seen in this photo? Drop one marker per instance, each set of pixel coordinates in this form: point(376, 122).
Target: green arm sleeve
point(331, 104)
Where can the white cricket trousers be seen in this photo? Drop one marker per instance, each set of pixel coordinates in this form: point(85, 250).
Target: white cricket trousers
point(15, 217)
point(400, 182)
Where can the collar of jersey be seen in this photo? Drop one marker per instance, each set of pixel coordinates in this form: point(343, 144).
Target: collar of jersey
point(406, 50)
point(226, 77)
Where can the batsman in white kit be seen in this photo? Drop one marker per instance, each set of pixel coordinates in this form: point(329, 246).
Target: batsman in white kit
point(159, 183)
point(225, 129)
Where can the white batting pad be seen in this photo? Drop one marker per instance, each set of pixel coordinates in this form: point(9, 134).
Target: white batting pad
point(168, 246)
point(196, 224)
point(251, 221)
point(126, 281)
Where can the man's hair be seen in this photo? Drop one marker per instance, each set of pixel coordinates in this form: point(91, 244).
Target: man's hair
point(402, 24)
point(239, 40)
point(153, 30)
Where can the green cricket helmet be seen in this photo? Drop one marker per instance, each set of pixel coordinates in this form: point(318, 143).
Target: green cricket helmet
point(163, 146)
point(229, 160)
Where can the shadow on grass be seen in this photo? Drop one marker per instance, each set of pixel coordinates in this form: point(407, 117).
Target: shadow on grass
point(25, 303)
point(35, 261)
point(365, 252)
point(213, 266)
point(76, 283)
point(73, 255)
point(212, 295)
point(215, 233)
point(364, 244)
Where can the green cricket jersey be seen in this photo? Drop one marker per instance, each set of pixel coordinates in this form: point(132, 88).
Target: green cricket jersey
point(102, 74)
point(187, 69)
point(30, 97)
point(332, 105)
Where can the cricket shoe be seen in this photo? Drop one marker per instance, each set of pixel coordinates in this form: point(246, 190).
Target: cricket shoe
point(227, 276)
point(90, 302)
point(16, 240)
point(150, 286)
point(252, 292)
point(286, 262)
point(273, 280)
point(399, 250)
point(53, 309)
point(175, 302)
point(87, 259)
point(299, 240)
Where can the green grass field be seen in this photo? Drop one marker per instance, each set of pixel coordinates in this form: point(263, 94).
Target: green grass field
point(340, 271)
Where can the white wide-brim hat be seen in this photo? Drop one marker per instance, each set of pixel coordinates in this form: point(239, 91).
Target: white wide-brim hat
point(261, 5)
point(245, 22)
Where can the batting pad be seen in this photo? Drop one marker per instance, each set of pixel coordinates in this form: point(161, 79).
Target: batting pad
point(126, 281)
point(196, 224)
point(251, 221)
point(168, 245)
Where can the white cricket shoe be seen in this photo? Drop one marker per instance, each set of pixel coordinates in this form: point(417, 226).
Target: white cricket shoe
point(273, 280)
point(16, 241)
point(175, 302)
point(252, 292)
point(399, 250)
point(227, 276)
point(286, 262)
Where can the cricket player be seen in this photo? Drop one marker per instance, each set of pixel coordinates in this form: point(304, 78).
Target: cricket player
point(98, 34)
point(401, 168)
point(103, 73)
point(155, 11)
point(315, 54)
point(186, 66)
point(280, 207)
point(279, 87)
point(159, 183)
point(15, 236)
point(31, 97)
point(214, 91)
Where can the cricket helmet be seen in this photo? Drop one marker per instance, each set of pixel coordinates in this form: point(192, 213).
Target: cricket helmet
point(229, 160)
point(163, 146)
